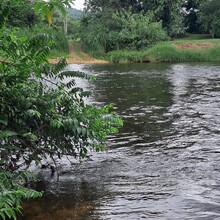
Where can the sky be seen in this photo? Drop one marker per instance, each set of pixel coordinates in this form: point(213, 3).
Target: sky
point(79, 4)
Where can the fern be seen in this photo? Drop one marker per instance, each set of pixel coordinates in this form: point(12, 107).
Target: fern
point(57, 68)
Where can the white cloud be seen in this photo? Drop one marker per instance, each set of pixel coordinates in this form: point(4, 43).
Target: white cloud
point(79, 4)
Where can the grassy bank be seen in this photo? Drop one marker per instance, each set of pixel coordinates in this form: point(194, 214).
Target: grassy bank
point(185, 50)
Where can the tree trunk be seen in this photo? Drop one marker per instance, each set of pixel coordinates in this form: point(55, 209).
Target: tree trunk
point(65, 27)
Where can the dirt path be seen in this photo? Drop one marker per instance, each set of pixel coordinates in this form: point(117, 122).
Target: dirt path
point(192, 46)
point(79, 57)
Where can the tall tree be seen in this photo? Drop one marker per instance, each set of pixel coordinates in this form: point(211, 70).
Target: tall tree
point(192, 8)
point(210, 17)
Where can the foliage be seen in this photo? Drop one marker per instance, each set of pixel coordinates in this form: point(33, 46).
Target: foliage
point(42, 113)
point(176, 26)
point(192, 8)
point(59, 38)
point(22, 14)
point(74, 29)
point(165, 11)
point(20, 20)
point(138, 31)
point(45, 116)
point(94, 35)
point(12, 192)
point(123, 25)
point(47, 8)
point(167, 52)
point(124, 30)
point(4, 11)
point(210, 17)
point(128, 56)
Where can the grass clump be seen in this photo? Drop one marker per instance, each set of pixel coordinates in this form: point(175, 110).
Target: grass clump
point(123, 56)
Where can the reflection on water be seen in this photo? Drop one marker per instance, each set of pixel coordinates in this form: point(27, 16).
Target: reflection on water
point(164, 164)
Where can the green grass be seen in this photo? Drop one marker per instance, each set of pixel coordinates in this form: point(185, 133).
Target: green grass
point(167, 52)
point(54, 53)
point(197, 36)
point(76, 48)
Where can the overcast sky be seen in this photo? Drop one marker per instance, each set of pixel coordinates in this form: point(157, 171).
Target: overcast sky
point(79, 4)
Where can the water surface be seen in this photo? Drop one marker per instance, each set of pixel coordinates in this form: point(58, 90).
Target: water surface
point(164, 163)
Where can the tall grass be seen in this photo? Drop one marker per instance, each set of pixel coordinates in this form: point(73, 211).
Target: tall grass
point(167, 52)
point(128, 56)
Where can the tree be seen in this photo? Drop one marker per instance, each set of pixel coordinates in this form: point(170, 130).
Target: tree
point(40, 115)
point(119, 25)
point(192, 8)
point(46, 8)
point(22, 14)
point(169, 12)
point(210, 17)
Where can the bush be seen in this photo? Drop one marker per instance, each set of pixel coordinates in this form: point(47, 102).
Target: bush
point(40, 115)
point(121, 30)
point(138, 31)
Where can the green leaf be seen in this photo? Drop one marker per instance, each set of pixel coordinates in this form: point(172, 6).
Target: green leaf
point(4, 122)
point(7, 134)
point(35, 113)
point(2, 214)
point(31, 136)
point(62, 10)
point(38, 6)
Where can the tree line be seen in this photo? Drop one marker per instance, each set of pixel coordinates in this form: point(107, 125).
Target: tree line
point(121, 24)
point(137, 24)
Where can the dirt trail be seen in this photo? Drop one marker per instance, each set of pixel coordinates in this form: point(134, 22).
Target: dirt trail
point(196, 45)
point(79, 57)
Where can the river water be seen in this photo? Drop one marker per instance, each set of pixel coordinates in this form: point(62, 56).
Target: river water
point(165, 162)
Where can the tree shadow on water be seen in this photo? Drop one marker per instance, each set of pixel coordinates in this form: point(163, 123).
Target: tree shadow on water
point(65, 200)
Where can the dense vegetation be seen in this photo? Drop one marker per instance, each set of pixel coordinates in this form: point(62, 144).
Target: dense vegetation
point(117, 26)
point(40, 115)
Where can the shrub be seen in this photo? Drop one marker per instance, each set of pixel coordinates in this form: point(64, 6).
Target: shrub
point(123, 30)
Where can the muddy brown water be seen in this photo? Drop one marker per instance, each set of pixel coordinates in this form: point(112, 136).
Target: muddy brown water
point(165, 162)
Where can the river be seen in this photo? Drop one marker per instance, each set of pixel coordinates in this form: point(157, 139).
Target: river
point(165, 162)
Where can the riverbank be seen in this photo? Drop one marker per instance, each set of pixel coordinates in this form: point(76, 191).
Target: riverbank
point(186, 50)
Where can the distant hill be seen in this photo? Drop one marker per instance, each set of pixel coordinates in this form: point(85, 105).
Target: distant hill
point(74, 13)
